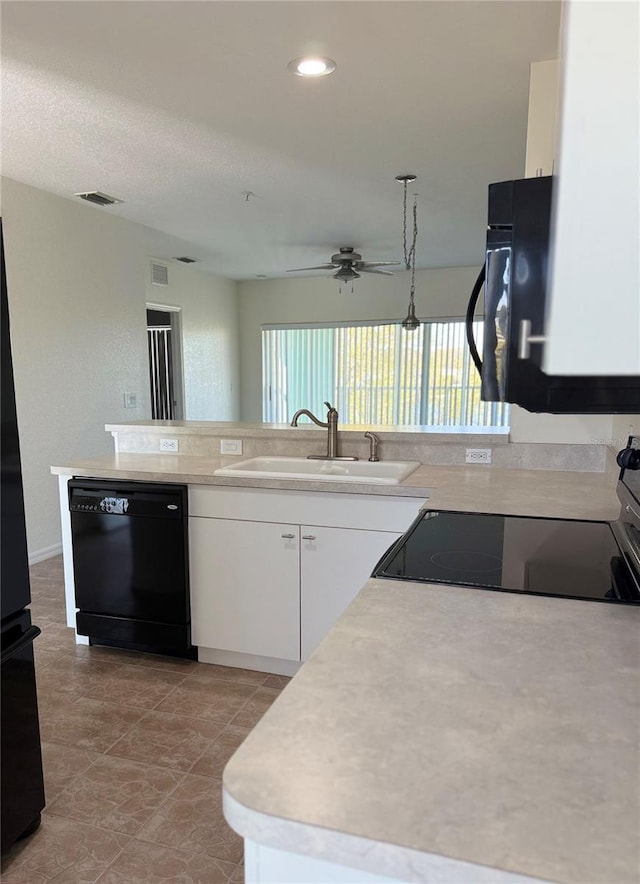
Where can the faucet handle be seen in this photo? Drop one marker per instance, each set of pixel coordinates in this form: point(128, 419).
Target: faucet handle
point(374, 441)
point(330, 407)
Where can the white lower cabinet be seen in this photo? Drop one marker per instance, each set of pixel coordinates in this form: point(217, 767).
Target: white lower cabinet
point(245, 586)
point(268, 582)
point(270, 865)
point(335, 563)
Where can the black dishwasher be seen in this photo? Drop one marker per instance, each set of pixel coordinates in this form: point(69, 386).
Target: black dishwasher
point(131, 564)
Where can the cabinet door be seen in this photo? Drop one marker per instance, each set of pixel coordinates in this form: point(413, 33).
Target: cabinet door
point(335, 563)
point(245, 586)
point(594, 314)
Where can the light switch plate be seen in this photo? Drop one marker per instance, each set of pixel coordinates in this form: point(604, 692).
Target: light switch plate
point(231, 446)
point(130, 400)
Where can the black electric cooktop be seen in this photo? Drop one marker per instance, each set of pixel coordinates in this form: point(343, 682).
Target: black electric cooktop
point(551, 557)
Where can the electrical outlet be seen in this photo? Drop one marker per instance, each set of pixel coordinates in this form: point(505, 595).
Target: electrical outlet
point(478, 455)
point(231, 446)
point(169, 445)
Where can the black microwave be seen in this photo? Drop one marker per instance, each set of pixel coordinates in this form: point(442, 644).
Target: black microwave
point(515, 284)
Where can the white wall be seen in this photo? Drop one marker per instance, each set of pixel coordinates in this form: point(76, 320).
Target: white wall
point(576, 429)
point(76, 283)
point(623, 426)
point(209, 321)
point(439, 293)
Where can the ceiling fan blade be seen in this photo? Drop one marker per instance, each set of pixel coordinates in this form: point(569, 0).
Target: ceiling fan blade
point(374, 270)
point(319, 267)
point(379, 263)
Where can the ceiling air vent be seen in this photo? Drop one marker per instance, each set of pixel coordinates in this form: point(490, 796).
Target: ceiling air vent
point(99, 199)
point(185, 259)
point(159, 274)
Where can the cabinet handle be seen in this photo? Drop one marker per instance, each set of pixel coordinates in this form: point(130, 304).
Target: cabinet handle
point(631, 541)
point(629, 509)
point(288, 536)
point(525, 339)
point(308, 536)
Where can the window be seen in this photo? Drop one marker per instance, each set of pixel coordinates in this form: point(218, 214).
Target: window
point(376, 374)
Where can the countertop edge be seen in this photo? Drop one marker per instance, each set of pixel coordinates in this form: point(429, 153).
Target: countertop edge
point(399, 490)
point(377, 857)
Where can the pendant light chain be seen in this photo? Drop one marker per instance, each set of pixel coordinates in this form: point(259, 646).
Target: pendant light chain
point(412, 250)
point(410, 255)
point(404, 226)
point(411, 322)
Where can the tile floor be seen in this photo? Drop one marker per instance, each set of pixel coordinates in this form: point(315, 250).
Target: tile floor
point(133, 746)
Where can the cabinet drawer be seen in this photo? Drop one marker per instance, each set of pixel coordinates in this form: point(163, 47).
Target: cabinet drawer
point(369, 511)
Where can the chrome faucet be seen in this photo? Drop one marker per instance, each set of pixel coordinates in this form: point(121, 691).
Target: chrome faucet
point(331, 425)
point(373, 446)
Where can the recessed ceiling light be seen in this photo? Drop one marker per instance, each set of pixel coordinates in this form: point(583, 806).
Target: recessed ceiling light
point(312, 66)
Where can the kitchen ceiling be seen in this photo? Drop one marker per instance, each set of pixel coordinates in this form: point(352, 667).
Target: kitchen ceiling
point(180, 108)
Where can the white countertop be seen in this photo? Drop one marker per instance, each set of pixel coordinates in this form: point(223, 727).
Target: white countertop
point(563, 494)
point(436, 727)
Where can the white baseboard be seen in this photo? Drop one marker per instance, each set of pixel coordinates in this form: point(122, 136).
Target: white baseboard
point(248, 661)
point(47, 552)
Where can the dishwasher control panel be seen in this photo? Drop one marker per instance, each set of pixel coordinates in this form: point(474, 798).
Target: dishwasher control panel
point(128, 499)
point(117, 505)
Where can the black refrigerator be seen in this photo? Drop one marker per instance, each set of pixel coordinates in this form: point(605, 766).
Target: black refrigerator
point(22, 785)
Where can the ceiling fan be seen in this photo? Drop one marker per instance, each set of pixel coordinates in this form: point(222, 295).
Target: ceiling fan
point(347, 263)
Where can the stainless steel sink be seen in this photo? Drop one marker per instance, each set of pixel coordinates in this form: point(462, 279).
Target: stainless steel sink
point(385, 472)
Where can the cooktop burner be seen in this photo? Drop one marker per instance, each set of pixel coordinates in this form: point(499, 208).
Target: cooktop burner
point(556, 557)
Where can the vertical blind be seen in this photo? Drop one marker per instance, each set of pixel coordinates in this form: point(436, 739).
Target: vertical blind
point(160, 373)
point(377, 374)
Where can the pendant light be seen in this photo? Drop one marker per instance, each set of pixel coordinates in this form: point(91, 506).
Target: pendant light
point(411, 321)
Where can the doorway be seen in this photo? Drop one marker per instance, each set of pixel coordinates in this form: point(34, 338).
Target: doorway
point(165, 362)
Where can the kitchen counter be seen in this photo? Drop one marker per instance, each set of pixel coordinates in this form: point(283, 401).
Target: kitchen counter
point(446, 734)
point(452, 735)
point(552, 493)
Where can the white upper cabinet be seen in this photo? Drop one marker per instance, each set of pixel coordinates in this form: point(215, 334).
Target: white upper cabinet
point(541, 121)
point(593, 313)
